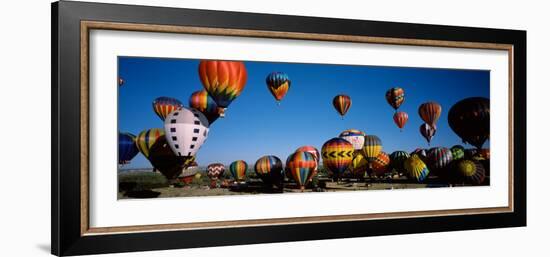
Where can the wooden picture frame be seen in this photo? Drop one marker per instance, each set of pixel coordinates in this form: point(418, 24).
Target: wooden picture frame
point(71, 25)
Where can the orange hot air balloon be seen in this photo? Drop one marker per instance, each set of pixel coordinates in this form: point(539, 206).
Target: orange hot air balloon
point(223, 80)
point(430, 112)
point(341, 103)
point(278, 84)
point(400, 119)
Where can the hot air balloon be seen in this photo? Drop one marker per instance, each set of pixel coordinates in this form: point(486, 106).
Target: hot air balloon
point(215, 170)
point(341, 103)
point(438, 159)
point(485, 153)
point(186, 131)
point(470, 119)
point(397, 160)
point(316, 155)
point(120, 81)
point(355, 137)
point(470, 171)
point(127, 148)
point(427, 131)
point(458, 152)
point(430, 112)
point(164, 160)
point(223, 80)
point(380, 163)
point(470, 153)
point(238, 170)
point(278, 84)
point(270, 169)
point(372, 147)
point(165, 105)
point(400, 119)
point(416, 168)
point(147, 138)
point(201, 101)
point(358, 166)
point(421, 152)
point(337, 155)
point(395, 97)
point(301, 165)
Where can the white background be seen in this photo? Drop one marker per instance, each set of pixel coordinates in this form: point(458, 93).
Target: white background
point(25, 104)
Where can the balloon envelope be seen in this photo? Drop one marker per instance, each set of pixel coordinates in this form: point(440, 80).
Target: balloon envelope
point(416, 168)
point(278, 84)
point(400, 119)
point(165, 161)
point(337, 155)
point(430, 112)
point(397, 160)
point(427, 131)
point(201, 101)
point(301, 165)
point(355, 137)
point(223, 80)
point(215, 170)
point(127, 148)
point(270, 169)
point(165, 105)
point(238, 170)
point(470, 120)
point(147, 138)
point(341, 103)
point(186, 131)
point(372, 147)
point(380, 163)
point(395, 97)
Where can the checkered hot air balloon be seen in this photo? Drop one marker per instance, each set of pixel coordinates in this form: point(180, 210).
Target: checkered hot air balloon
point(337, 155)
point(380, 163)
point(395, 97)
point(147, 138)
point(238, 170)
point(270, 169)
point(355, 137)
point(278, 84)
point(165, 105)
point(301, 165)
point(341, 103)
point(201, 101)
point(223, 80)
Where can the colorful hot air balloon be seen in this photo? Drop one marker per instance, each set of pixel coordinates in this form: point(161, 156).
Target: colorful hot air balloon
point(458, 152)
point(316, 155)
point(337, 155)
point(127, 148)
point(372, 147)
point(416, 168)
point(215, 170)
point(439, 158)
point(400, 119)
point(420, 152)
point(355, 137)
point(358, 166)
point(165, 105)
point(427, 131)
point(397, 160)
point(186, 131)
point(341, 103)
point(201, 101)
point(470, 171)
point(238, 170)
point(470, 119)
point(223, 80)
point(147, 138)
point(430, 112)
point(270, 169)
point(164, 160)
point(301, 165)
point(395, 97)
point(278, 84)
point(380, 163)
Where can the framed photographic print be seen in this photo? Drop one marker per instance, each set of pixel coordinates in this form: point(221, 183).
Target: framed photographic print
point(178, 128)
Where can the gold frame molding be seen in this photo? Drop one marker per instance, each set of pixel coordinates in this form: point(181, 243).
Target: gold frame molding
point(86, 26)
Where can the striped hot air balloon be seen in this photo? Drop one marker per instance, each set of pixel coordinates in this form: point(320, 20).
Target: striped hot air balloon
point(395, 97)
point(458, 152)
point(238, 170)
point(372, 147)
point(278, 84)
point(165, 105)
point(430, 112)
point(201, 101)
point(270, 169)
point(147, 138)
point(358, 166)
point(342, 103)
point(127, 148)
point(380, 163)
point(427, 131)
point(469, 171)
point(337, 155)
point(355, 137)
point(315, 152)
point(397, 160)
point(439, 158)
point(470, 120)
point(400, 119)
point(223, 80)
point(416, 168)
point(301, 165)
point(215, 170)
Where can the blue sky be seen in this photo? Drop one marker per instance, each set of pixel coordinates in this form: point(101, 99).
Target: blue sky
point(255, 125)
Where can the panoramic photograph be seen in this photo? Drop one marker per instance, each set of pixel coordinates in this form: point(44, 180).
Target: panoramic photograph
point(190, 127)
